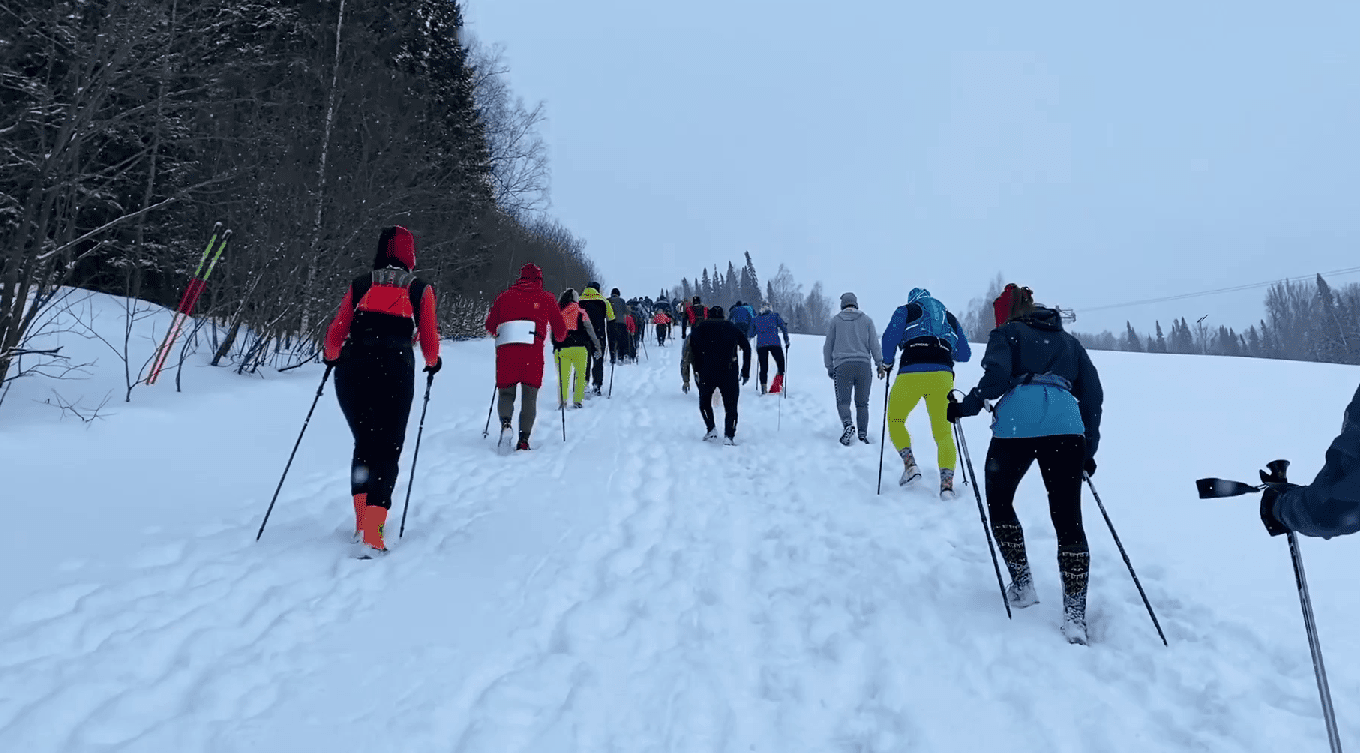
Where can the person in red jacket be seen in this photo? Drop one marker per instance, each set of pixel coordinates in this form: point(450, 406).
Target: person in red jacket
point(519, 320)
point(369, 346)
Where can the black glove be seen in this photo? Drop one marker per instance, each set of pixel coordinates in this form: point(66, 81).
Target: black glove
point(971, 405)
point(1272, 492)
point(685, 387)
point(1089, 467)
point(831, 371)
point(435, 367)
point(745, 377)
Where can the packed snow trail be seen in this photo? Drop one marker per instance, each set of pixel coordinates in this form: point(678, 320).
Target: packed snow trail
point(636, 589)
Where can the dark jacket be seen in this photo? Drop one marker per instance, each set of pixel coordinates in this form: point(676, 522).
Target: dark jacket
point(1330, 506)
point(767, 327)
point(597, 308)
point(713, 345)
point(1034, 345)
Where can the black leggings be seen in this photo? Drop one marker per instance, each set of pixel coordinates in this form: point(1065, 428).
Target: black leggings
point(375, 388)
point(765, 351)
point(1060, 459)
point(731, 390)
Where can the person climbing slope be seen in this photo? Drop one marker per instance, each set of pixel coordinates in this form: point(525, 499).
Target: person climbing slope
point(1049, 411)
point(601, 313)
point(618, 327)
point(932, 342)
point(661, 320)
point(713, 349)
point(741, 315)
point(369, 344)
point(574, 351)
point(852, 352)
point(767, 328)
point(519, 320)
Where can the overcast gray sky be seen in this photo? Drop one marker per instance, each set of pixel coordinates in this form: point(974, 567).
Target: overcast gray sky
point(1098, 152)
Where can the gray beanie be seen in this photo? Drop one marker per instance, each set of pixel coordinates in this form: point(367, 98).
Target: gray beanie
point(849, 299)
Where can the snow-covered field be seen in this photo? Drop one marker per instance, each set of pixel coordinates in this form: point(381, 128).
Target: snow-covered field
point(635, 589)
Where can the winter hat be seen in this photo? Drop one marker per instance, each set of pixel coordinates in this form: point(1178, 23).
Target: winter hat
point(848, 300)
point(395, 244)
point(615, 291)
point(593, 284)
point(715, 312)
point(917, 294)
point(765, 308)
point(531, 272)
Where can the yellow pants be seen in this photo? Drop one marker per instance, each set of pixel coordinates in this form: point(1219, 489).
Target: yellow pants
point(568, 359)
point(907, 391)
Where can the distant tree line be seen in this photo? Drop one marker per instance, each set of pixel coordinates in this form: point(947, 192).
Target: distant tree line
point(1304, 321)
point(130, 127)
point(806, 313)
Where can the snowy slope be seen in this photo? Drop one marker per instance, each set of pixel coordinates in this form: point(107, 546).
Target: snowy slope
point(635, 589)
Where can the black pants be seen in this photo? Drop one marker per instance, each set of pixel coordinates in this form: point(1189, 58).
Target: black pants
point(375, 388)
point(661, 331)
point(618, 341)
point(765, 351)
point(1060, 462)
point(597, 367)
point(730, 386)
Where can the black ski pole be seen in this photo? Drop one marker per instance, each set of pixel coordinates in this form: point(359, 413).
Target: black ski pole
point(486, 432)
point(612, 364)
point(321, 387)
point(1310, 625)
point(883, 436)
point(982, 513)
point(1127, 563)
point(429, 381)
point(562, 392)
point(1217, 488)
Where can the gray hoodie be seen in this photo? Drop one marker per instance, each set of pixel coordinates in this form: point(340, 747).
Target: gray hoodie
point(851, 336)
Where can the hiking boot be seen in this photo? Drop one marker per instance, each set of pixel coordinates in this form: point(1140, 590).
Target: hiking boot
point(507, 440)
point(1010, 540)
point(910, 472)
point(523, 442)
point(1075, 567)
point(374, 521)
point(778, 385)
point(577, 406)
point(848, 435)
point(863, 437)
point(762, 388)
point(711, 435)
point(947, 483)
point(729, 441)
point(360, 502)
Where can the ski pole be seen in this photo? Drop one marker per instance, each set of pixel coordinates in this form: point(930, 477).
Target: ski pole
point(1125, 555)
point(486, 432)
point(296, 444)
point(1314, 646)
point(612, 364)
point(429, 382)
point(883, 436)
point(982, 513)
point(1217, 488)
point(562, 391)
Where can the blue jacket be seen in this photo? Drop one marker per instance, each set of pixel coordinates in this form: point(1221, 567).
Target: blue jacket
point(742, 316)
point(767, 327)
point(923, 353)
point(1330, 506)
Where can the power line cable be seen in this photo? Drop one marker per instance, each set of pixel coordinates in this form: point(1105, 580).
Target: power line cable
point(1218, 291)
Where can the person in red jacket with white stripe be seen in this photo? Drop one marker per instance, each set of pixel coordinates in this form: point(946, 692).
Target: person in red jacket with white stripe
point(369, 346)
point(519, 320)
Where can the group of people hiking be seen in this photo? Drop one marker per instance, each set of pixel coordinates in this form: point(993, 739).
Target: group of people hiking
point(1047, 391)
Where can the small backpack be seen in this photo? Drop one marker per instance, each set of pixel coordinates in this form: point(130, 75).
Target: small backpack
point(933, 322)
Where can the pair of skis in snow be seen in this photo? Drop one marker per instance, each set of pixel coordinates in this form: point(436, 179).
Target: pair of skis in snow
point(206, 264)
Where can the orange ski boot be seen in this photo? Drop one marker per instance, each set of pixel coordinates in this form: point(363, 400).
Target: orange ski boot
point(375, 519)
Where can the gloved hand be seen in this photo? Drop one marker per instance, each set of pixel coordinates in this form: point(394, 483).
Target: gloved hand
point(1090, 467)
point(786, 345)
point(831, 371)
point(745, 377)
point(884, 371)
point(434, 368)
point(685, 387)
point(1272, 492)
point(971, 405)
